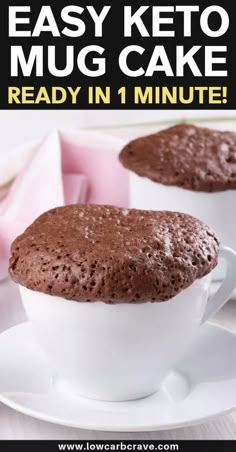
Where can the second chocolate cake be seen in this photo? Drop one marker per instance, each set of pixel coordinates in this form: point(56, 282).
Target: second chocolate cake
point(104, 253)
point(186, 156)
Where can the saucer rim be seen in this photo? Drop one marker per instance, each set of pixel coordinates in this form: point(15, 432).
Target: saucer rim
point(128, 428)
point(116, 429)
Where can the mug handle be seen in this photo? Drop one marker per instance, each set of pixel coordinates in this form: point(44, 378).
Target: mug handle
point(223, 294)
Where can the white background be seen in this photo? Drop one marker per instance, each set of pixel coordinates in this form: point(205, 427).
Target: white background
point(17, 127)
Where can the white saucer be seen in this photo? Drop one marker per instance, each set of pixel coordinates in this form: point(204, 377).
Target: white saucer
point(203, 386)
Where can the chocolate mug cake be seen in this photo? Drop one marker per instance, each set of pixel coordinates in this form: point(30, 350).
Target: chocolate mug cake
point(190, 169)
point(194, 158)
point(115, 296)
point(90, 252)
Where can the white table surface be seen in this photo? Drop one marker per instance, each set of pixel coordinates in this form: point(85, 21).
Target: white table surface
point(13, 425)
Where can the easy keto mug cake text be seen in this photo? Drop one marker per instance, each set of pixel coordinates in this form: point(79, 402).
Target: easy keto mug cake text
point(116, 296)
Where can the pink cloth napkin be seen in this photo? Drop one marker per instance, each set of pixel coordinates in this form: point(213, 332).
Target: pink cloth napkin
point(66, 168)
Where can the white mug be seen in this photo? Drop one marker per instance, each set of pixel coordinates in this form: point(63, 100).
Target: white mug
point(217, 209)
point(122, 351)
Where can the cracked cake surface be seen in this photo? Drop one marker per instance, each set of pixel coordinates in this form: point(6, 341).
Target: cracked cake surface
point(194, 158)
point(103, 253)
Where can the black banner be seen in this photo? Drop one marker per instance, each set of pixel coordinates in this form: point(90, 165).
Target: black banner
point(115, 55)
point(124, 446)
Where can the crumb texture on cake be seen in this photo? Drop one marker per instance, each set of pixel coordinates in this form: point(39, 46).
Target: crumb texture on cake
point(186, 156)
point(104, 253)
